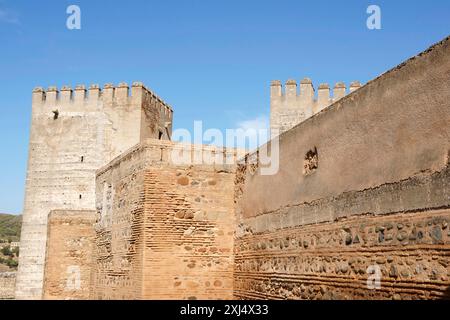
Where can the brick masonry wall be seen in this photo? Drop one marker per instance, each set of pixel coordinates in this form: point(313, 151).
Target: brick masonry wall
point(290, 107)
point(331, 260)
point(68, 262)
point(72, 135)
point(165, 231)
point(7, 285)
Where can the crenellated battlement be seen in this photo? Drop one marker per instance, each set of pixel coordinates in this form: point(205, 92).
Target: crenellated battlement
point(307, 89)
point(292, 104)
point(95, 94)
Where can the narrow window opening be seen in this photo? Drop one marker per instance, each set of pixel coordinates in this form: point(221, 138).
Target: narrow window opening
point(55, 114)
point(160, 135)
point(82, 158)
point(80, 197)
point(311, 162)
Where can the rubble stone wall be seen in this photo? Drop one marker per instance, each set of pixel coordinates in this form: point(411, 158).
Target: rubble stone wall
point(68, 262)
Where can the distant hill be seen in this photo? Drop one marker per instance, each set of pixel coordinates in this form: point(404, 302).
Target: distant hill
point(10, 226)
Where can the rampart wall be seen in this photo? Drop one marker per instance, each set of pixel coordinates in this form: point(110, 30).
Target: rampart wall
point(291, 105)
point(366, 181)
point(7, 285)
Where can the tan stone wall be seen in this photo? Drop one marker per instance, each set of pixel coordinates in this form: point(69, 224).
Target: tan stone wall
point(382, 154)
point(7, 285)
point(69, 260)
point(72, 135)
point(166, 230)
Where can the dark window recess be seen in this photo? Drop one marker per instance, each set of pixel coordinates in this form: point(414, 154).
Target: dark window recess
point(311, 162)
point(55, 114)
point(80, 196)
point(160, 135)
point(82, 158)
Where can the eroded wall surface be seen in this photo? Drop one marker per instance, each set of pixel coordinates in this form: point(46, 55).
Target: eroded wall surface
point(119, 242)
point(365, 181)
point(74, 133)
point(7, 285)
point(68, 263)
point(166, 228)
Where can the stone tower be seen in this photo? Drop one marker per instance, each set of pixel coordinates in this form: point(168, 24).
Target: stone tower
point(289, 108)
point(74, 133)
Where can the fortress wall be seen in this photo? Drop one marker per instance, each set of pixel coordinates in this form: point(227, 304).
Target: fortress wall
point(7, 285)
point(119, 243)
point(366, 177)
point(177, 223)
point(73, 133)
point(70, 245)
point(189, 230)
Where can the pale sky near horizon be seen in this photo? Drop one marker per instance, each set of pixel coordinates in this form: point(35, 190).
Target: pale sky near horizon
point(211, 60)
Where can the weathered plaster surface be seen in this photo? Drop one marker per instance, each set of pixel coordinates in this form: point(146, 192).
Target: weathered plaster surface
point(379, 191)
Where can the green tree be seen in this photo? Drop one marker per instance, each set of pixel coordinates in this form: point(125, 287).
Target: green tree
point(6, 251)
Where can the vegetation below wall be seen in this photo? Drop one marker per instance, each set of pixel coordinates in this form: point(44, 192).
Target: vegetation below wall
point(10, 226)
point(9, 256)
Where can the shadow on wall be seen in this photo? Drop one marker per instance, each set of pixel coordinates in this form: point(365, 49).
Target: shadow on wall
point(446, 295)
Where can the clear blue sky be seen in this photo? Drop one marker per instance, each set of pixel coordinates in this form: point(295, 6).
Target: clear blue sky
point(212, 60)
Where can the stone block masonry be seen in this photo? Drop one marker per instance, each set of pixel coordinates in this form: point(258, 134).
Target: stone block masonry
point(74, 133)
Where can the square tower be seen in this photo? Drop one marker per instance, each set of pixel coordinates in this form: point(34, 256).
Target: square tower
point(291, 106)
point(74, 133)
